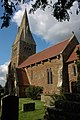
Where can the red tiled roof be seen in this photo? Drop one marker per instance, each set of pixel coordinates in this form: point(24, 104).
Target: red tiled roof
point(45, 54)
point(73, 56)
point(22, 77)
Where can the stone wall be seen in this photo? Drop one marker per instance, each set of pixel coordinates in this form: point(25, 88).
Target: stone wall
point(72, 77)
point(69, 48)
point(66, 54)
point(38, 74)
point(47, 99)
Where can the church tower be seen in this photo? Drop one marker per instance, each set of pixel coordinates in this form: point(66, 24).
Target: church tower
point(23, 47)
point(24, 44)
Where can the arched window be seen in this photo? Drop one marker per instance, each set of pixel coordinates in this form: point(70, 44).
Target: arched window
point(49, 76)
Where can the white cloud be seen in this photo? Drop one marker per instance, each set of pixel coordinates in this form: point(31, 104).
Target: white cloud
point(3, 72)
point(44, 24)
point(18, 15)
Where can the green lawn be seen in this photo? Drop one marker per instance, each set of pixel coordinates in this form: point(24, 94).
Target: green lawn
point(37, 114)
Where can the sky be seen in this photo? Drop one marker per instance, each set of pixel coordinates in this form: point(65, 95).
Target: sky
point(46, 31)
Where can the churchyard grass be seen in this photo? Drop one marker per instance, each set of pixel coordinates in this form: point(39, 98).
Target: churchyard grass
point(37, 114)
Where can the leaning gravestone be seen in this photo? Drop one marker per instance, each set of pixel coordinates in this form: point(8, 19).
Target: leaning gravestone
point(10, 108)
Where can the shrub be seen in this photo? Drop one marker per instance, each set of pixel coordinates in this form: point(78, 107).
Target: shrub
point(56, 98)
point(34, 92)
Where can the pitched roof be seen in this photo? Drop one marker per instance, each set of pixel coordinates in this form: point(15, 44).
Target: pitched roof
point(45, 54)
point(73, 56)
point(22, 77)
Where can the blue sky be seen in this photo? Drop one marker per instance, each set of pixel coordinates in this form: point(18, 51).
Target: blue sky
point(7, 37)
point(45, 29)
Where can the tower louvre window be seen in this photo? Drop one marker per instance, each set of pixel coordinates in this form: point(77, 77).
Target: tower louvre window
point(49, 76)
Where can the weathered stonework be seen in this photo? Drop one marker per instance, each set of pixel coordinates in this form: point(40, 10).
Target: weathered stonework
point(39, 77)
point(72, 77)
point(40, 69)
point(23, 47)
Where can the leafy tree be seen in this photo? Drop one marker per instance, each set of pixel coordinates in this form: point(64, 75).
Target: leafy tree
point(8, 11)
point(34, 92)
point(59, 8)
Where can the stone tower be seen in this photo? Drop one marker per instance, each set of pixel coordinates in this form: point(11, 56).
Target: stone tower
point(23, 47)
point(24, 44)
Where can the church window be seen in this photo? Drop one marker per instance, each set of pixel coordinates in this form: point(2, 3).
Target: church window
point(49, 76)
point(27, 50)
point(74, 70)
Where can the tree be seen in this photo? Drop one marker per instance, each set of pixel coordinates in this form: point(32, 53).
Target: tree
point(34, 92)
point(8, 11)
point(59, 9)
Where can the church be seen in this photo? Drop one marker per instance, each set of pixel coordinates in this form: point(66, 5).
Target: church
point(52, 68)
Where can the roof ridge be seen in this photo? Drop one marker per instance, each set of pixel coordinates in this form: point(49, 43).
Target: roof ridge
point(50, 47)
point(47, 53)
point(68, 42)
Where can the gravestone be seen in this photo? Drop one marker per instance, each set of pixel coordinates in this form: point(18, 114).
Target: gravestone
point(28, 107)
point(10, 105)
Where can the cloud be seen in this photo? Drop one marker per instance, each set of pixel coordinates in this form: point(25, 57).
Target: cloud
point(3, 72)
point(18, 15)
point(44, 24)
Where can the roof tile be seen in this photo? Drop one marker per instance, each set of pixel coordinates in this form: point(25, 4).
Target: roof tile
point(73, 56)
point(45, 54)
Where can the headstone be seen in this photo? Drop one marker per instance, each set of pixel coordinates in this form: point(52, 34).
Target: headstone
point(28, 107)
point(10, 108)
